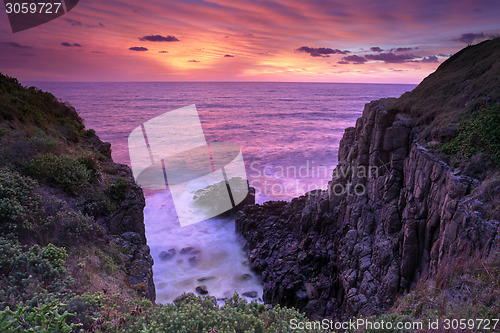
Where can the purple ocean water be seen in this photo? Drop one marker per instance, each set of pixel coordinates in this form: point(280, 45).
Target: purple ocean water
point(288, 133)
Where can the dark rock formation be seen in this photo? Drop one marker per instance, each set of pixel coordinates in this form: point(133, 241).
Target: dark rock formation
point(250, 294)
point(392, 214)
point(167, 255)
point(202, 290)
point(207, 198)
point(127, 221)
point(139, 265)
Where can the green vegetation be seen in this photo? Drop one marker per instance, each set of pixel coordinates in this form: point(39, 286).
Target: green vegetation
point(69, 172)
point(17, 200)
point(33, 106)
point(478, 134)
point(31, 275)
point(188, 314)
point(46, 318)
point(463, 84)
point(118, 189)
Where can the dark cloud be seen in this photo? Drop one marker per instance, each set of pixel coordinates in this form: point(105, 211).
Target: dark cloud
point(431, 58)
point(228, 56)
point(342, 62)
point(158, 38)
point(138, 48)
point(16, 45)
point(391, 58)
point(470, 37)
point(355, 59)
point(193, 61)
point(162, 51)
point(403, 49)
point(74, 23)
point(71, 45)
point(98, 52)
point(376, 49)
point(321, 51)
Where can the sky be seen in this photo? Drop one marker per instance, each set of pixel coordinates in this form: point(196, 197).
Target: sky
point(358, 41)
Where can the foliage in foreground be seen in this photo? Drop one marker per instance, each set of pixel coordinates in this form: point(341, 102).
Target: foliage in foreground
point(46, 318)
point(188, 314)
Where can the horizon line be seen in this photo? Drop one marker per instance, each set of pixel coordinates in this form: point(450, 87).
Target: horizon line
point(319, 82)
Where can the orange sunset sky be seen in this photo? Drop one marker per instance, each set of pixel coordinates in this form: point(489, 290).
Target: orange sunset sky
point(233, 40)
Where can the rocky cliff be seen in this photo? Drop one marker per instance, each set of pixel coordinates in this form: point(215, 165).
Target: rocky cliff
point(391, 216)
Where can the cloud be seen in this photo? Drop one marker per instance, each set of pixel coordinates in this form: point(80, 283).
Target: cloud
point(342, 62)
point(355, 59)
point(402, 49)
point(431, 58)
point(16, 45)
point(162, 51)
point(321, 51)
point(228, 56)
point(470, 37)
point(159, 38)
point(74, 23)
point(138, 48)
point(98, 52)
point(376, 49)
point(193, 61)
point(391, 58)
point(71, 45)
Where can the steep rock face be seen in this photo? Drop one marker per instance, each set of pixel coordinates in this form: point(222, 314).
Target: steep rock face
point(392, 214)
point(126, 224)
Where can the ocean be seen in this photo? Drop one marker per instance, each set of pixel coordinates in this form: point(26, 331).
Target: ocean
point(288, 134)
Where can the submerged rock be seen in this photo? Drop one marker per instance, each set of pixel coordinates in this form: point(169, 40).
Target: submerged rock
point(167, 255)
point(193, 254)
point(205, 278)
point(250, 294)
point(202, 289)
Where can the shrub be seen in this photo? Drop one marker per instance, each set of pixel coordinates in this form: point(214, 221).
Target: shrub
point(480, 133)
point(42, 141)
point(191, 314)
point(118, 189)
point(30, 273)
point(45, 318)
point(95, 202)
point(70, 227)
point(17, 200)
point(65, 171)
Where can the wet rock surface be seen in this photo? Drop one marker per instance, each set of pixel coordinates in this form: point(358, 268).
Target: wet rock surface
point(202, 290)
point(214, 197)
point(339, 254)
point(167, 255)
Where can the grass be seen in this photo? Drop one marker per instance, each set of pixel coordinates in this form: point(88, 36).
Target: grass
point(461, 85)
